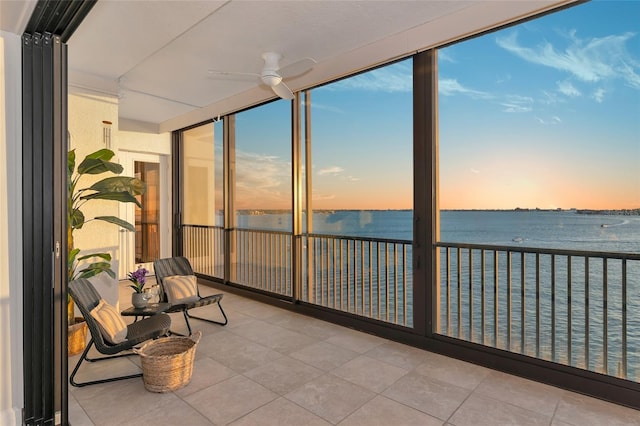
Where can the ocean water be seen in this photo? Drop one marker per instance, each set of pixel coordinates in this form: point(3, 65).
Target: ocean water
point(541, 229)
point(577, 310)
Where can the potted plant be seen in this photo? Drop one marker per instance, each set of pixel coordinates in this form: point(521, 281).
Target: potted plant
point(138, 277)
point(115, 188)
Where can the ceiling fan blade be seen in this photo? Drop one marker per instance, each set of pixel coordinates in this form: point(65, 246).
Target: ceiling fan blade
point(232, 75)
point(298, 68)
point(283, 91)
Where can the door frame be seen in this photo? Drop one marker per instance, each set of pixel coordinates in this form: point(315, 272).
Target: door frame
point(126, 210)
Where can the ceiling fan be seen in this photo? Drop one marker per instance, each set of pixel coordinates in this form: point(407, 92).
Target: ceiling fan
point(272, 75)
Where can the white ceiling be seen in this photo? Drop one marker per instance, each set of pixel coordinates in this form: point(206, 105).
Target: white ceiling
point(154, 55)
point(15, 14)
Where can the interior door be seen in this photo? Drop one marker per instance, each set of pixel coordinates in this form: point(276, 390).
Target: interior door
point(151, 239)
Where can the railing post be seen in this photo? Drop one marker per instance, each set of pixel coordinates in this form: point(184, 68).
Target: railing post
point(586, 312)
point(296, 194)
point(605, 316)
point(426, 257)
point(229, 158)
point(624, 320)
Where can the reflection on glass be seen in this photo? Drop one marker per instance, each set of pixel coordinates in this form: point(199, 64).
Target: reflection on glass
point(362, 148)
point(263, 167)
point(147, 218)
point(202, 199)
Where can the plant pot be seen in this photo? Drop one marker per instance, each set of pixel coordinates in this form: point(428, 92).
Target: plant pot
point(76, 337)
point(139, 300)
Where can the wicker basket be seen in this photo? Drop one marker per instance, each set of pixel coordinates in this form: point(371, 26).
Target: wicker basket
point(77, 337)
point(167, 363)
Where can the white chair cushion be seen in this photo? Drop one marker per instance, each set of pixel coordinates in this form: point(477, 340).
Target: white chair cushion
point(112, 326)
point(181, 289)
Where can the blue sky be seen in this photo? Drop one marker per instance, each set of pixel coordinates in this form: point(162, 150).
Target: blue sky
point(542, 114)
point(551, 112)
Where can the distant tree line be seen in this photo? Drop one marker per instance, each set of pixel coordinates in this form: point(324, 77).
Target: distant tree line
point(621, 212)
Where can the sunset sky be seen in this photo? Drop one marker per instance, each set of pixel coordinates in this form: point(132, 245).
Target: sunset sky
point(543, 114)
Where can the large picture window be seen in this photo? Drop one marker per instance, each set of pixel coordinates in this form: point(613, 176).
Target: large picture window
point(539, 141)
point(527, 195)
point(263, 200)
point(263, 167)
point(202, 198)
point(361, 230)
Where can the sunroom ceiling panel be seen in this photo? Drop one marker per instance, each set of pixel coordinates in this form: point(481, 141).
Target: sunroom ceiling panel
point(233, 39)
point(155, 54)
point(141, 107)
point(118, 35)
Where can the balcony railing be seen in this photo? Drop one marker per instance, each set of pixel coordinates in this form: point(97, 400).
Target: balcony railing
point(370, 277)
point(576, 308)
point(363, 276)
point(204, 247)
point(263, 260)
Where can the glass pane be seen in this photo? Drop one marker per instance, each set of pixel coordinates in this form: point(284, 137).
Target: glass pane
point(148, 217)
point(542, 118)
point(218, 183)
point(263, 167)
point(263, 205)
point(199, 200)
point(202, 199)
point(358, 252)
point(539, 147)
point(362, 148)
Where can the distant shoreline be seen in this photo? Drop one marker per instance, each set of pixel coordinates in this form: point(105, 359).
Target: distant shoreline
point(613, 212)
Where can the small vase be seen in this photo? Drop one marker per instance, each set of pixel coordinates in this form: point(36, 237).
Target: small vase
point(139, 300)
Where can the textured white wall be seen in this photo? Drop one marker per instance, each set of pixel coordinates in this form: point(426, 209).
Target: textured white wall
point(86, 113)
point(145, 142)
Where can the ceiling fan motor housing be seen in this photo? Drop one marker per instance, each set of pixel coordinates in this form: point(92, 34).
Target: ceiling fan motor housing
point(270, 77)
point(269, 74)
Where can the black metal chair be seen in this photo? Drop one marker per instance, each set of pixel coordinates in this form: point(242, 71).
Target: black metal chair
point(180, 266)
point(86, 298)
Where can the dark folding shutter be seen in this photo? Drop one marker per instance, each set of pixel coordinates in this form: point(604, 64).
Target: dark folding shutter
point(44, 148)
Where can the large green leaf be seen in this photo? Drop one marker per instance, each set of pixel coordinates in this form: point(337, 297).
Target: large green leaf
point(105, 256)
point(76, 219)
point(134, 186)
point(117, 221)
point(94, 269)
point(71, 161)
point(96, 166)
point(123, 197)
point(72, 257)
point(101, 154)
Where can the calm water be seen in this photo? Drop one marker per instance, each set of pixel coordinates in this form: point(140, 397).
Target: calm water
point(536, 229)
point(565, 230)
point(543, 229)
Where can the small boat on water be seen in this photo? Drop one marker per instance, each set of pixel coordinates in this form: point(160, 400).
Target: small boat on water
point(604, 225)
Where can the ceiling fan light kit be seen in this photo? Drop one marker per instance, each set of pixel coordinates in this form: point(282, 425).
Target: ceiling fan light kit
point(270, 78)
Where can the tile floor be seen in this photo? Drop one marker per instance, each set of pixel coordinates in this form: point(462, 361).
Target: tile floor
point(269, 366)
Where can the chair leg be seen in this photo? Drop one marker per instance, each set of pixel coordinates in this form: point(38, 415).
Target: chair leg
point(187, 315)
point(209, 320)
point(186, 320)
point(94, 382)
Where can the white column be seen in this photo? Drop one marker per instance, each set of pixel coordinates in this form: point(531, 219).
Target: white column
point(11, 372)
